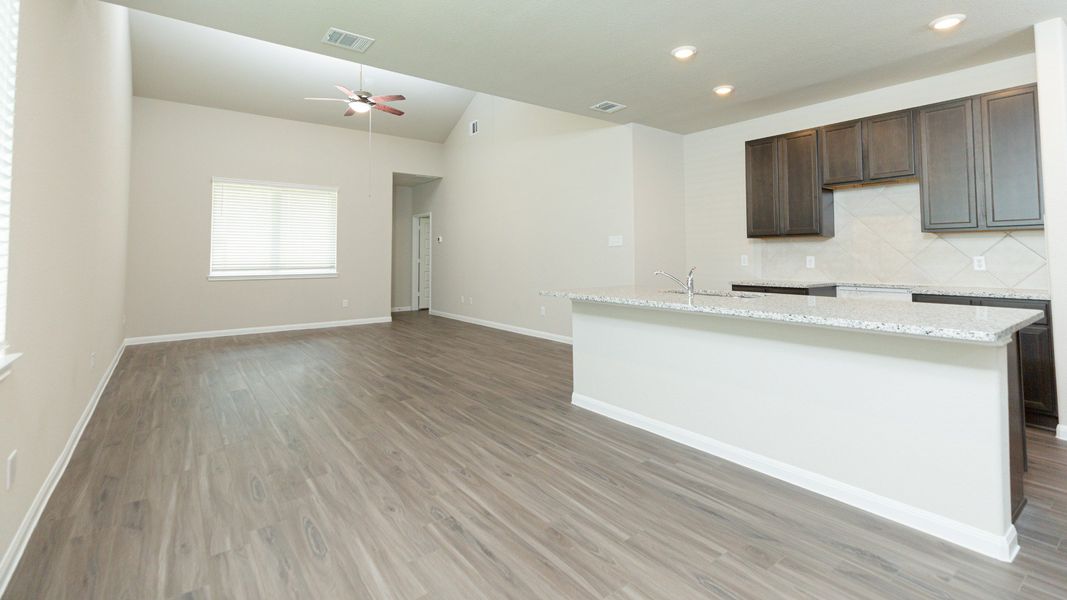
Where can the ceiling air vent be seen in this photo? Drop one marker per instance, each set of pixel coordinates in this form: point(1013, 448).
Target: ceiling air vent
point(607, 106)
point(347, 40)
point(474, 127)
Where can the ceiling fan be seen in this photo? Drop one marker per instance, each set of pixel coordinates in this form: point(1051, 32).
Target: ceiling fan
point(362, 101)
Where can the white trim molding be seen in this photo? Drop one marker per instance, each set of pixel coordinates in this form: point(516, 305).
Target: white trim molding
point(1001, 547)
point(1061, 431)
point(29, 521)
point(196, 335)
point(555, 337)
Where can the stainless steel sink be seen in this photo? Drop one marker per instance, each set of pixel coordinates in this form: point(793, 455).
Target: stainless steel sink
point(719, 294)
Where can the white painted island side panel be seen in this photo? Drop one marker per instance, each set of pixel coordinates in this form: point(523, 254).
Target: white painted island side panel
point(911, 429)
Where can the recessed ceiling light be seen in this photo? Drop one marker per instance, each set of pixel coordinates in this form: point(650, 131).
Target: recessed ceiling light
point(724, 90)
point(947, 22)
point(684, 52)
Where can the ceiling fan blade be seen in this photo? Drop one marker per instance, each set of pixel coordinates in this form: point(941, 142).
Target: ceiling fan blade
point(349, 112)
point(347, 92)
point(328, 99)
point(392, 98)
point(388, 109)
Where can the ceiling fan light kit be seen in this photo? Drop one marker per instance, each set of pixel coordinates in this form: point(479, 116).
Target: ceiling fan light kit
point(362, 101)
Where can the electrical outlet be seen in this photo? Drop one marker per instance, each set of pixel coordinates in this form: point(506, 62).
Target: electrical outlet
point(979, 263)
point(462, 299)
point(543, 311)
point(92, 360)
point(470, 299)
point(744, 260)
point(809, 262)
point(12, 462)
point(344, 303)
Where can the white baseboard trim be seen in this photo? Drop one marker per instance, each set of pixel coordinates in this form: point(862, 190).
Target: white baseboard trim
point(555, 337)
point(29, 521)
point(196, 335)
point(402, 309)
point(1001, 547)
point(1061, 431)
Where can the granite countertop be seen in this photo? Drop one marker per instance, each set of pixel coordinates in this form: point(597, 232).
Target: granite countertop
point(931, 290)
point(971, 324)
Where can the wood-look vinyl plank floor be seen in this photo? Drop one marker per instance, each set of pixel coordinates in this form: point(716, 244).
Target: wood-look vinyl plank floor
point(431, 459)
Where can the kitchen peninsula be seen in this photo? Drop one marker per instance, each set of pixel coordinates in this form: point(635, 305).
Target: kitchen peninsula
point(905, 410)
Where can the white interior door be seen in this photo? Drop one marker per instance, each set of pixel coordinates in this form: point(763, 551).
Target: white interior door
point(424, 262)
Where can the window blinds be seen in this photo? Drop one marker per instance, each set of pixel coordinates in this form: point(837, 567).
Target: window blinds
point(272, 230)
point(9, 28)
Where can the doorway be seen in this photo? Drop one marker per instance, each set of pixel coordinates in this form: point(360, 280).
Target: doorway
point(421, 261)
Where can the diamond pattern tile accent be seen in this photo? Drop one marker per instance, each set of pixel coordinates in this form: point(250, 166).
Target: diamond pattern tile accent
point(880, 240)
point(1011, 262)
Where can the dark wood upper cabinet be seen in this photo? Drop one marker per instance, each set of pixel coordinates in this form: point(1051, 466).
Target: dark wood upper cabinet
point(979, 162)
point(947, 166)
point(868, 150)
point(798, 182)
point(889, 146)
point(784, 189)
point(1010, 159)
point(842, 153)
point(761, 182)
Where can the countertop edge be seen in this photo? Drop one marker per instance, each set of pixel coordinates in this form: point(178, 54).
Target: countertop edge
point(925, 289)
point(1000, 338)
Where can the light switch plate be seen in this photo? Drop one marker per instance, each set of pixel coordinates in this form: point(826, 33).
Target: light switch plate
point(614, 240)
point(744, 260)
point(979, 263)
point(809, 262)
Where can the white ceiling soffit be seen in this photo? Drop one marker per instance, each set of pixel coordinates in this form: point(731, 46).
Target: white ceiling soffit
point(412, 180)
point(569, 54)
point(183, 62)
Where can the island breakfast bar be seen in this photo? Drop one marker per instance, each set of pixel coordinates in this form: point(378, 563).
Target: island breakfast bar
point(903, 410)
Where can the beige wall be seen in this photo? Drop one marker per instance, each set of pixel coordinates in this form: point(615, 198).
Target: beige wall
point(715, 165)
point(177, 148)
point(402, 246)
point(527, 205)
point(1050, 42)
point(659, 204)
point(68, 240)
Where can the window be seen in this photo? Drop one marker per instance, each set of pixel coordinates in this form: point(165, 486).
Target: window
point(272, 230)
point(9, 28)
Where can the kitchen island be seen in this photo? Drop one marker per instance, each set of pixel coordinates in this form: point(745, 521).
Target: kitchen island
point(904, 410)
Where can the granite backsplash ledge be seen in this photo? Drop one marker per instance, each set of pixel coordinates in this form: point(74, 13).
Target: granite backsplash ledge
point(879, 239)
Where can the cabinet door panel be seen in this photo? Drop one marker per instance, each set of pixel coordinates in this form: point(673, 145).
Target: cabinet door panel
point(799, 183)
point(890, 144)
point(1036, 369)
point(788, 291)
point(935, 299)
point(1010, 157)
point(946, 160)
point(761, 174)
point(842, 153)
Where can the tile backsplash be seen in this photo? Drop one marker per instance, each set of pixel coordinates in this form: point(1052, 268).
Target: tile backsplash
point(879, 239)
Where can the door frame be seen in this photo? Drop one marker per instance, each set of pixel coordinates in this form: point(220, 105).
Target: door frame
point(415, 257)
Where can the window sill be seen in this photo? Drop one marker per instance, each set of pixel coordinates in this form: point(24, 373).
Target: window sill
point(267, 276)
point(6, 360)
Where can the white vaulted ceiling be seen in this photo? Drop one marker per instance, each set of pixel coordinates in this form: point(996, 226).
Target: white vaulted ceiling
point(183, 62)
point(569, 54)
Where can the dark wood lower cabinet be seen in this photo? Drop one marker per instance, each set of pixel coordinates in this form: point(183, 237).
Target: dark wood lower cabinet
point(1037, 371)
point(829, 290)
